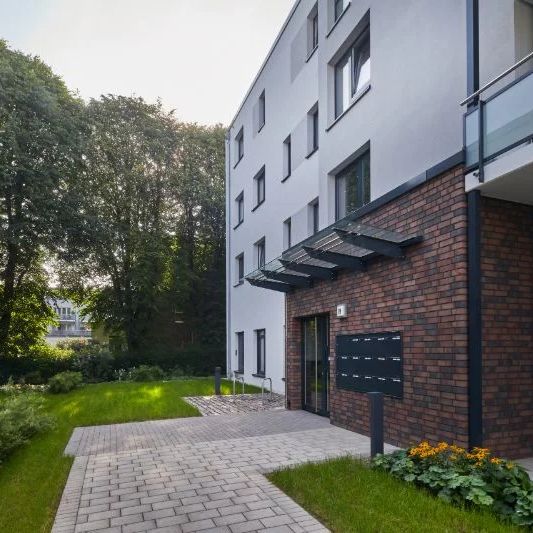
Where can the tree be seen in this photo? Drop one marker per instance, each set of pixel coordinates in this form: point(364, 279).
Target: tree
point(41, 136)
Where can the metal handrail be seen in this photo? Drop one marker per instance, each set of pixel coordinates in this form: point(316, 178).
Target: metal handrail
point(497, 78)
point(263, 388)
point(235, 379)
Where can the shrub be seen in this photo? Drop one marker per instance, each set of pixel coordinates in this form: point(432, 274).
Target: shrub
point(146, 373)
point(21, 416)
point(465, 478)
point(64, 382)
point(95, 362)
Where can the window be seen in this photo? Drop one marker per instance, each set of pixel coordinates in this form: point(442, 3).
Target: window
point(287, 157)
point(240, 208)
point(287, 233)
point(352, 186)
point(338, 8)
point(260, 253)
point(259, 181)
point(352, 73)
point(240, 352)
point(312, 128)
point(239, 144)
point(239, 262)
point(261, 111)
point(314, 217)
point(261, 351)
point(314, 31)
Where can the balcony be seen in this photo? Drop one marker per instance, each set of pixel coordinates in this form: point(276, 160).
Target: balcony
point(66, 318)
point(501, 165)
point(70, 333)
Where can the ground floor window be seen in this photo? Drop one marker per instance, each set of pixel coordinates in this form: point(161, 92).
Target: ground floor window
point(240, 351)
point(261, 352)
point(352, 186)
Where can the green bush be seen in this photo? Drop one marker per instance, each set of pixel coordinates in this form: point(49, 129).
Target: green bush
point(64, 382)
point(95, 362)
point(146, 373)
point(457, 476)
point(21, 416)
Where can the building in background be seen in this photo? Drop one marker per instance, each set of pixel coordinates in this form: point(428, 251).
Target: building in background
point(71, 324)
point(373, 242)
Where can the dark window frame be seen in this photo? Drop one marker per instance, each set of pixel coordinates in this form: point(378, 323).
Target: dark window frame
point(315, 216)
point(239, 140)
point(240, 268)
point(260, 340)
point(261, 111)
point(315, 131)
point(260, 188)
point(352, 56)
point(287, 226)
point(240, 352)
point(314, 31)
point(362, 186)
point(337, 14)
point(287, 157)
point(240, 209)
point(260, 252)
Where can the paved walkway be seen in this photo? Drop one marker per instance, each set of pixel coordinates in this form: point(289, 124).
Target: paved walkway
point(195, 474)
point(240, 403)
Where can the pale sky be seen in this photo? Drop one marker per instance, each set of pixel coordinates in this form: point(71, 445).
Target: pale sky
point(198, 56)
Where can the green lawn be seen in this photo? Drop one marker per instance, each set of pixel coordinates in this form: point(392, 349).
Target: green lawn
point(346, 496)
point(32, 479)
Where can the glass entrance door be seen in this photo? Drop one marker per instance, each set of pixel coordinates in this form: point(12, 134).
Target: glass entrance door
point(315, 365)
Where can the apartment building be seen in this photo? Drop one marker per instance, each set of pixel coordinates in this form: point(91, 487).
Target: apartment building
point(70, 323)
point(379, 214)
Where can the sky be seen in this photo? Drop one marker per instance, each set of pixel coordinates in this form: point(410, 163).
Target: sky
point(198, 56)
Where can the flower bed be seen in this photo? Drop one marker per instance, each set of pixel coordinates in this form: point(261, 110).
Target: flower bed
point(461, 477)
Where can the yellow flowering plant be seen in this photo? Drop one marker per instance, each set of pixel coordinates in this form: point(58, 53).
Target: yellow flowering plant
point(465, 477)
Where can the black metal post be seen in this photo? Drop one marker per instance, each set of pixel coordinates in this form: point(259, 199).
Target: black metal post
point(481, 145)
point(475, 338)
point(218, 371)
point(376, 423)
point(472, 49)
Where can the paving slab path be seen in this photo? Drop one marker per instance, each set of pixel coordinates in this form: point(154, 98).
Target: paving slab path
point(195, 474)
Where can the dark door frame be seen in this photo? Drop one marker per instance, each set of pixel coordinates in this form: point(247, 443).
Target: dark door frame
point(324, 411)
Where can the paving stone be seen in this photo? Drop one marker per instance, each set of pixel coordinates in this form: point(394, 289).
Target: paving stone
point(197, 474)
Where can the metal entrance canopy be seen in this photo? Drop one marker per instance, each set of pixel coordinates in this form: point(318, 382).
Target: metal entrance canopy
point(345, 245)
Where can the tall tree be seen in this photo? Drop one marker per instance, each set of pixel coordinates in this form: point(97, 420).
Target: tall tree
point(125, 211)
point(41, 136)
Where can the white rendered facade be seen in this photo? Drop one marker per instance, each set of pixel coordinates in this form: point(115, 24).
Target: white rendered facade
point(407, 116)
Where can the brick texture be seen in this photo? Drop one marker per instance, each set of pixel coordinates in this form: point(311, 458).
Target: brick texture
point(424, 296)
point(507, 303)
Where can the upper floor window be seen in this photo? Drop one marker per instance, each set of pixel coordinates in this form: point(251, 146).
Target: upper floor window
point(287, 157)
point(312, 30)
point(352, 73)
point(315, 221)
point(287, 233)
point(261, 111)
point(240, 208)
point(352, 186)
point(260, 253)
point(239, 263)
point(338, 8)
point(312, 129)
point(239, 144)
point(259, 182)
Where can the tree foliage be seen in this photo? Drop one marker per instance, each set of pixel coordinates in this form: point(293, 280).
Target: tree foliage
point(40, 150)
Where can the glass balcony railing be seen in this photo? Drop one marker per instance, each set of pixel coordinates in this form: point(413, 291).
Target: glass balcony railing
point(506, 122)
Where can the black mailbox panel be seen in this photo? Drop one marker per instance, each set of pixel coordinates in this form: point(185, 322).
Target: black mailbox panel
point(370, 362)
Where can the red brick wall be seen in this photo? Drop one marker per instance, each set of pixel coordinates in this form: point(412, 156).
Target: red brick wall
point(425, 297)
point(507, 302)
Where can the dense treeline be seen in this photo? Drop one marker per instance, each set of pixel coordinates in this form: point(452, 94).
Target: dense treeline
point(126, 203)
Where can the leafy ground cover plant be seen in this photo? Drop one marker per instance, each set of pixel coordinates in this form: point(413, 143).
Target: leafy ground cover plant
point(64, 382)
point(146, 373)
point(21, 416)
point(458, 476)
